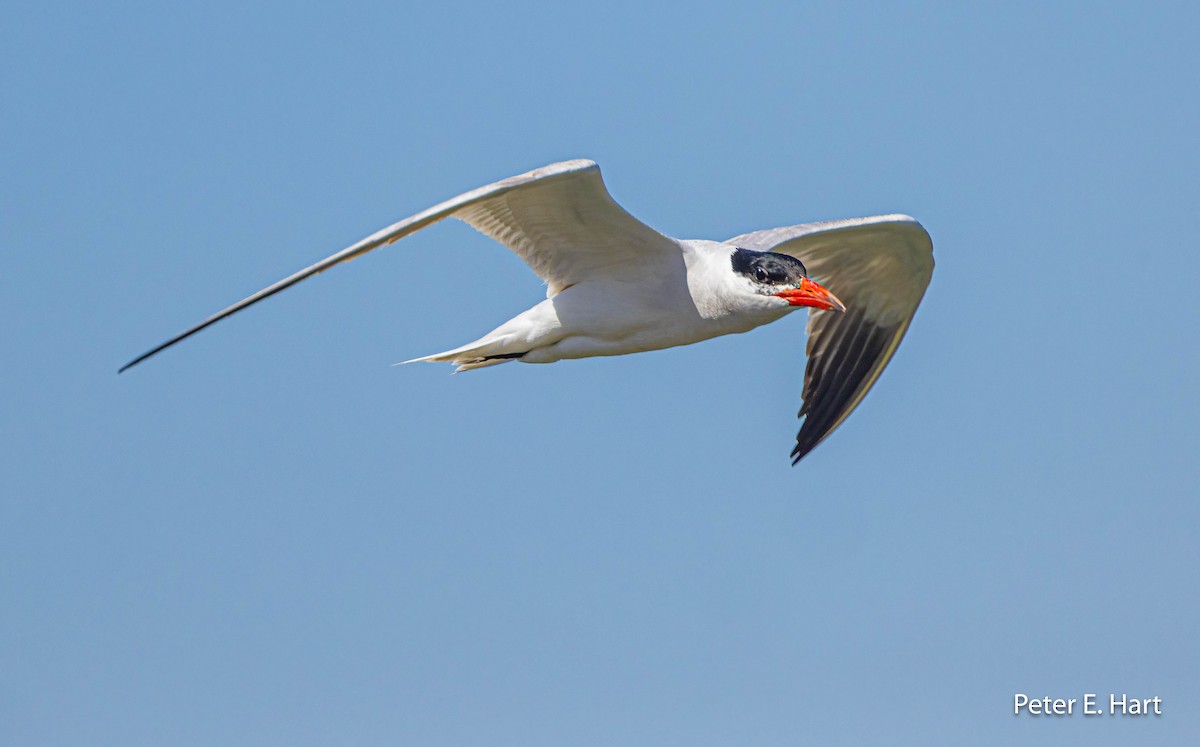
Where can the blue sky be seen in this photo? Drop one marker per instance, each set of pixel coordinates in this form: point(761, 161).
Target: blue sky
point(271, 536)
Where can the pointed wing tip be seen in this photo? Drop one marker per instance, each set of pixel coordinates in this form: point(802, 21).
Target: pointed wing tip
point(144, 356)
point(805, 444)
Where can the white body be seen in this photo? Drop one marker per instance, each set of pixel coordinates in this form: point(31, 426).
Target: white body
point(693, 299)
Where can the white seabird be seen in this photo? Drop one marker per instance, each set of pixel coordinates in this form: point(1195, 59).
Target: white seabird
point(617, 286)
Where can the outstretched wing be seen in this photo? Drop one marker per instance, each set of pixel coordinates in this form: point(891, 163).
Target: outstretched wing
point(559, 219)
point(879, 267)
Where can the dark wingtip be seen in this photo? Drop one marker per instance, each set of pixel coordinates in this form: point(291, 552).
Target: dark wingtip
point(799, 453)
point(145, 355)
point(835, 374)
point(132, 363)
point(167, 344)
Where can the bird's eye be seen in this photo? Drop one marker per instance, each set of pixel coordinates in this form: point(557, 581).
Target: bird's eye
point(761, 275)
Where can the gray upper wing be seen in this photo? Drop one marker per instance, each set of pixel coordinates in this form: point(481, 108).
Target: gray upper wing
point(879, 267)
point(559, 219)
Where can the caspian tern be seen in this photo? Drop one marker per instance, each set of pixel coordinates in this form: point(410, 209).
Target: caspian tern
point(617, 286)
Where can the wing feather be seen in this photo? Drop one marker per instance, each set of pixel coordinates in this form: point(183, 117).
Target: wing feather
point(559, 219)
point(879, 267)
point(571, 229)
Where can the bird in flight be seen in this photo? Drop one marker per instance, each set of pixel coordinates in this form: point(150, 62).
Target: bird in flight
point(617, 286)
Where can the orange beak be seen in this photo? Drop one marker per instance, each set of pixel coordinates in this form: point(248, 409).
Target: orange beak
point(812, 294)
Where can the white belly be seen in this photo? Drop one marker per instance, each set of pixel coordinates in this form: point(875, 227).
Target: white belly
point(583, 322)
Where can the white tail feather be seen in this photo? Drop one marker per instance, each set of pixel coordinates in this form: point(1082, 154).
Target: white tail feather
point(471, 356)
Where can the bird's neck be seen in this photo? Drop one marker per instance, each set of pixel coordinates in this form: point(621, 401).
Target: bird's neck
point(718, 293)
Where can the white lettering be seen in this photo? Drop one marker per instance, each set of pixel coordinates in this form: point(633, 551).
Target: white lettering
point(1020, 700)
point(1112, 703)
point(1134, 706)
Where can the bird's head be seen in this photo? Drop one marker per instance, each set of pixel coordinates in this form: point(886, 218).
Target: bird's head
point(782, 276)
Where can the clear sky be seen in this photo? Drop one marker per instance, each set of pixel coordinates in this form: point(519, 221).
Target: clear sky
point(271, 536)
